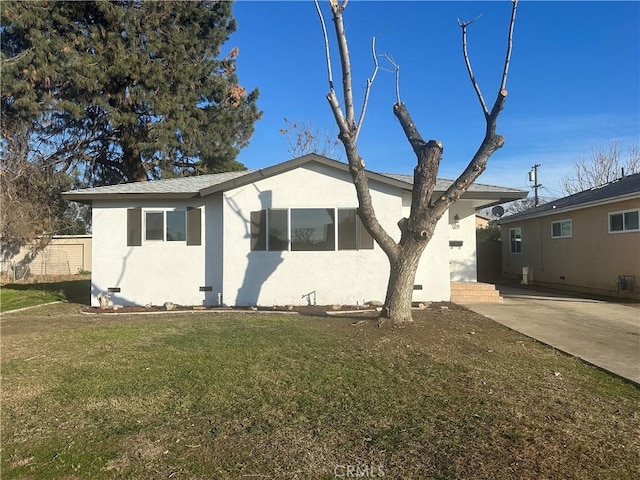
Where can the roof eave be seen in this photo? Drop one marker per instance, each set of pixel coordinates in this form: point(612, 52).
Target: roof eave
point(571, 208)
point(88, 198)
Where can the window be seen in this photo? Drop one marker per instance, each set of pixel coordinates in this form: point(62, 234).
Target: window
point(270, 230)
point(561, 229)
point(351, 232)
point(167, 225)
point(176, 226)
point(308, 230)
point(170, 226)
point(627, 221)
point(154, 226)
point(313, 229)
point(278, 230)
point(515, 240)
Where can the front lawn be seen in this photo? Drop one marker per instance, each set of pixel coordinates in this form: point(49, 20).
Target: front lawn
point(12, 299)
point(21, 295)
point(201, 396)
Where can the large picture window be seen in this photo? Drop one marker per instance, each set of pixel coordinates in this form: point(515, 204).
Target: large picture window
point(312, 229)
point(561, 229)
point(308, 230)
point(515, 240)
point(627, 221)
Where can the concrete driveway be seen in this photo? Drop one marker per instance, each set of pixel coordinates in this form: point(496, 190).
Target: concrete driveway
point(602, 333)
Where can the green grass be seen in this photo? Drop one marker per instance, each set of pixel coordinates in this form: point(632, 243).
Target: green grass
point(21, 295)
point(256, 396)
point(11, 299)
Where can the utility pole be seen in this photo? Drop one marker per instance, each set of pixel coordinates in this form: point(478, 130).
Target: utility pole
point(533, 177)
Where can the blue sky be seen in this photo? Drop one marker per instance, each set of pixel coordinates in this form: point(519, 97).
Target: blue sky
point(574, 80)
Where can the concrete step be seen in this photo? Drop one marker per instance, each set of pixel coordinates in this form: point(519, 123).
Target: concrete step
point(474, 292)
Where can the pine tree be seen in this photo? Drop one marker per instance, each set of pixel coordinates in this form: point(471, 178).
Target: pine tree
point(125, 90)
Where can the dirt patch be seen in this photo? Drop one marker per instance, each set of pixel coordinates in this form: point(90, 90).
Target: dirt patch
point(309, 309)
point(299, 309)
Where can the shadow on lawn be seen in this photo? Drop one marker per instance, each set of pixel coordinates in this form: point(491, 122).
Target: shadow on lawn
point(76, 291)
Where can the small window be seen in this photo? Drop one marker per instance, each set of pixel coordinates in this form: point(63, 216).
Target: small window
point(170, 226)
point(154, 226)
point(166, 225)
point(561, 229)
point(176, 226)
point(627, 221)
point(515, 240)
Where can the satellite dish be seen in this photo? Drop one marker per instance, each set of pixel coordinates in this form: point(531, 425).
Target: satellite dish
point(498, 210)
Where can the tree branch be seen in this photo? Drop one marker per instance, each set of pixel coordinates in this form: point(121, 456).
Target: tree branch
point(8, 61)
point(368, 89)
point(396, 68)
point(503, 84)
point(410, 130)
point(326, 44)
point(476, 87)
point(491, 141)
point(344, 61)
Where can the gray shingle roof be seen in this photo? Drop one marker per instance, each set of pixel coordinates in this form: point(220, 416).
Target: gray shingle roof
point(622, 188)
point(443, 183)
point(203, 185)
point(183, 185)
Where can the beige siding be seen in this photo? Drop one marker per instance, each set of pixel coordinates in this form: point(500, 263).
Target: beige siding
point(590, 260)
point(63, 255)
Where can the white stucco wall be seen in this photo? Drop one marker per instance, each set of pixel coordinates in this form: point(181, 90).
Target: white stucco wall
point(462, 259)
point(150, 274)
point(336, 277)
point(432, 277)
point(157, 272)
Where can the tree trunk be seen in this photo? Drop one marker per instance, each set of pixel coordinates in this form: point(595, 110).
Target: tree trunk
point(397, 304)
point(132, 166)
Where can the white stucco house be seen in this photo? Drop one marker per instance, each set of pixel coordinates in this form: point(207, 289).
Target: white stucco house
point(286, 234)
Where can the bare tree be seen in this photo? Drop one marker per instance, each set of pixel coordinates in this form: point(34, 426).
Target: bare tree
point(604, 166)
point(32, 208)
point(303, 138)
point(417, 230)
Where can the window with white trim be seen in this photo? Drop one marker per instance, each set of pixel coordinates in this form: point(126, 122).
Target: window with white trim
point(625, 221)
point(561, 229)
point(515, 240)
point(168, 226)
point(164, 226)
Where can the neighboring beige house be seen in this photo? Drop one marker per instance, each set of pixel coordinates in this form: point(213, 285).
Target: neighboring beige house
point(587, 242)
point(63, 255)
